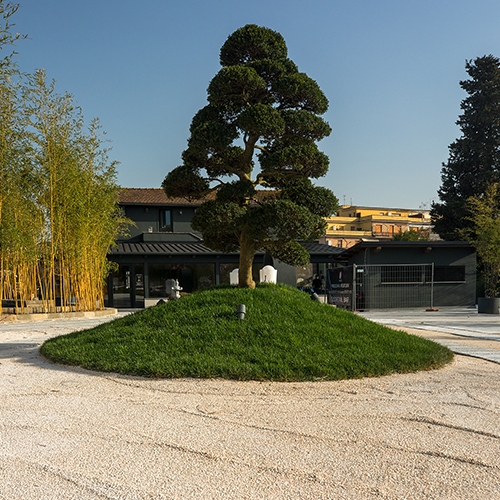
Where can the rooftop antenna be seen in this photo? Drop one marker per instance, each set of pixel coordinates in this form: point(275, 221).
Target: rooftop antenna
point(427, 205)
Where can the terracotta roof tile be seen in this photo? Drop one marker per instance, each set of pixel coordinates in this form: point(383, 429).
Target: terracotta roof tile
point(151, 196)
point(156, 196)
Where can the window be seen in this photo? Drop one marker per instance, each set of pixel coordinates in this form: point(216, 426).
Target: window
point(165, 221)
point(191, 277)
point(450, 274)
point(405, 274)
point(422, 274)
point(378, 228)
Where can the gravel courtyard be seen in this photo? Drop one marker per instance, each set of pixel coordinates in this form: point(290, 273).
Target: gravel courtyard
point(67, 433)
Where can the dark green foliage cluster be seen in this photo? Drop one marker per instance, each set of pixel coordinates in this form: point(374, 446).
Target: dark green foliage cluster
point(315, 198)
point(285, 336)
point(252, 44)
point(412, 235)
point(474, 158)
point(219, 221)
point(260, 107)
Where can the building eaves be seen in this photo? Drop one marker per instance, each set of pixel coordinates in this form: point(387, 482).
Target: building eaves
point(152, 196)
point(140, 248)
point(319, 248)
point(157, 196)
point(385, 209)
point(363, 245)
point(184, 248)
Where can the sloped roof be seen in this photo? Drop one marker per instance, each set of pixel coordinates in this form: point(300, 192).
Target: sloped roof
point(151, 196)
point(316, 248)
point(141, 248)
point(195, 248)
point(156, 196)
point(405, 244)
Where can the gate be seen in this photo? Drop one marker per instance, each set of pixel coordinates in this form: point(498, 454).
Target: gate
point(385, 286)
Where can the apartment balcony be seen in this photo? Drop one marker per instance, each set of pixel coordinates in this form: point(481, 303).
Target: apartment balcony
point(383, 234)
point(348, 234)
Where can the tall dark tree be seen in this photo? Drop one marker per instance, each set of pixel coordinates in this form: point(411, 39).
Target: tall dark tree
point(474, 158)
point(260, 110)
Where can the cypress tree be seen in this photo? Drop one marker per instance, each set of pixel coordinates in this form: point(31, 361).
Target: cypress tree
point(474, 158)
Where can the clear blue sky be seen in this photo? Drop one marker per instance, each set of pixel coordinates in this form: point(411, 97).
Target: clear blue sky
point(390, 69)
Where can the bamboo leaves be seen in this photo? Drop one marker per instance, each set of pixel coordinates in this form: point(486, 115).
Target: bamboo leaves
point(58, 199)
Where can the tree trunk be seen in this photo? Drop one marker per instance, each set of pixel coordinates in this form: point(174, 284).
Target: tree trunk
point(247, 253)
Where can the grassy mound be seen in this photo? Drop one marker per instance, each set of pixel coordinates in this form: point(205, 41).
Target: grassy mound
point(285, 336)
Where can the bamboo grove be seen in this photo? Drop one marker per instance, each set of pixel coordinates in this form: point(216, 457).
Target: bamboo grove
point(58, 199)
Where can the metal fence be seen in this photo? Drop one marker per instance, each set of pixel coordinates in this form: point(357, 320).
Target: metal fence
point(387, 286)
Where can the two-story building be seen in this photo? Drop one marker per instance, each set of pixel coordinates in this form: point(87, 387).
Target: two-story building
point(161, 246)
point(354, 224)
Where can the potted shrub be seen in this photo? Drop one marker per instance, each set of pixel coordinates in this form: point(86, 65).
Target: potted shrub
point(485, 214)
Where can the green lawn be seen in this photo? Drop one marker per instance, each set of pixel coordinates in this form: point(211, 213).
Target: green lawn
point(285, 336)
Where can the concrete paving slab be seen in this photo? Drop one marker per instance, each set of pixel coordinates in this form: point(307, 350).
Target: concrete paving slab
point(459, 324)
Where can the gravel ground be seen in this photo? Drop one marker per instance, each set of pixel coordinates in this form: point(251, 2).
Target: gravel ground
point(67, 433)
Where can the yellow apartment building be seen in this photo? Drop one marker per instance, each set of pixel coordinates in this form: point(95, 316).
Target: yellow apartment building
point(353, 224)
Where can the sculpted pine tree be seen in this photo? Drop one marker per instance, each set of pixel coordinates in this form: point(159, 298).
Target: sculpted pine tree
point(260, 110)
point(474, 158)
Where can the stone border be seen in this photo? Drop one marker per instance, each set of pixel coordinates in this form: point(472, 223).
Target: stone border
point(109, 311)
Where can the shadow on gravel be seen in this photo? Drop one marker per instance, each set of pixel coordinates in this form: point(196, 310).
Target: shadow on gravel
point(28, 353)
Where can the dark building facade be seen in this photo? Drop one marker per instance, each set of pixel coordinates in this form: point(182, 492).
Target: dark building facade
point(161, 246)
point(396, 274)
